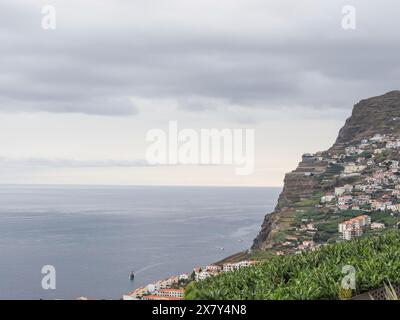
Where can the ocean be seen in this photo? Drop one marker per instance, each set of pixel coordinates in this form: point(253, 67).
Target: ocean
point(95, 236)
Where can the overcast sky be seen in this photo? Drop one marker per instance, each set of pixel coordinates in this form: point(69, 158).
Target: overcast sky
point(76, 102)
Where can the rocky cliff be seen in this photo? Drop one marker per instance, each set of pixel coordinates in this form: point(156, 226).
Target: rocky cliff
point(314, 175)
point(374, 115)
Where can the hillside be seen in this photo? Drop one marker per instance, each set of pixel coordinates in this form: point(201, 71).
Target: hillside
point(364, 162)
point(310, 275)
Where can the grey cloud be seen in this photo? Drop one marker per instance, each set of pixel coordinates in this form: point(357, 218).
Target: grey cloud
point(259, 55)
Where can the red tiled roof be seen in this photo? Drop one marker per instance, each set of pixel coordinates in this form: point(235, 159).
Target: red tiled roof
point(155, 297)
point(171, 290)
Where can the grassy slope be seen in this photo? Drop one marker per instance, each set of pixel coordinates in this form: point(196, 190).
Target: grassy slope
point(313, 275)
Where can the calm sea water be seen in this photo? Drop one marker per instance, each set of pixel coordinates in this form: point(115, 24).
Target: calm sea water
point(94, 236)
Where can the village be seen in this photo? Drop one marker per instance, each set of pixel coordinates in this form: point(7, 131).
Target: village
point(368, 195)
point(377, 186)
point(172, 288)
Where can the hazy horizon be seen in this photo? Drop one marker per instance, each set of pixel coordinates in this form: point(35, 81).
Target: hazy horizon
point(134, 185)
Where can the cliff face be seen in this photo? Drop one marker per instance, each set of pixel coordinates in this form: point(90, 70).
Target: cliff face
point(374, 115)
point(314, 175)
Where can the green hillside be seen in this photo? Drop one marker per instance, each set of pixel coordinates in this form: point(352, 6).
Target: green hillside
point(310, 275)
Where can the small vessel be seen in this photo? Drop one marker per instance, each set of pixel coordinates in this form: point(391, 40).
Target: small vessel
point(132, 276)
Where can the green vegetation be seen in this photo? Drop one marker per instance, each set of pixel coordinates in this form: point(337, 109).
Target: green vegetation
point(349, 180)
point(345, 294)
point(323, 236)
point(352, 158)
point(306, 203)
point(366, 154)
point(383, 217)
point(260, 255)
point(310, 202)
point(311, 214)
point(383, 156)
point(280, 236)
point(311, 275)
point(331, 226)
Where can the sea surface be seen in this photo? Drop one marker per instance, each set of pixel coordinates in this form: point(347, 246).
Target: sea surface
point(94, 236)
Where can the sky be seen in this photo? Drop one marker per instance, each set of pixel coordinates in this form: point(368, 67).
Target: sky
point(77, 101)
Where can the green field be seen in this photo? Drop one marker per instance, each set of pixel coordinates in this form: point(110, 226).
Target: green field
point(311, 275)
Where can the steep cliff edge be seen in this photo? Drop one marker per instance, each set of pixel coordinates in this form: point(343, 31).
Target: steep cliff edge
point(318, 174)
point(377, 115)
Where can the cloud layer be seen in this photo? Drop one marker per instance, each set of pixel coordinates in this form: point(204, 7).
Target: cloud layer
point(203, 54)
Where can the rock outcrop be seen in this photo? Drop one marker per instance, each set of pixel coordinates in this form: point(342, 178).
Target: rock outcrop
point(379, 114)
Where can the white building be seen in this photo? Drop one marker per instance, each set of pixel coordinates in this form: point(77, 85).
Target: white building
point(327, 198)
point(339, 191)
point(202, 275)
point(393, 207)
point(311, 227)
point(380, 205)
point(354, 227)
point(184, 276)
point(344, 200)
point(348, 187)
point(352, 168)
point(153, 287)
point(246, 263)
point(377, 225)
point(213, 267)
point(376, 138)
point(173, 293)
point(234, 266)
point(228, 267)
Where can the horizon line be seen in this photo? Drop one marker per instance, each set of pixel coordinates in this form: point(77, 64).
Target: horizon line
point(135, 185)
